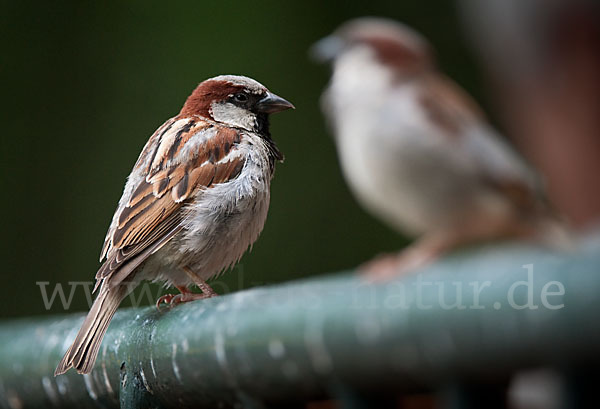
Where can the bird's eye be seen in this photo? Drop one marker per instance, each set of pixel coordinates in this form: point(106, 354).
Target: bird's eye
point(241, 97)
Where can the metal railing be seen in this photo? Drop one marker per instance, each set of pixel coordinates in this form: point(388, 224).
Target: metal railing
point(463, 325)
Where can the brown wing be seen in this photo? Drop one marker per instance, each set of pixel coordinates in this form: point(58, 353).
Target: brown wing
point(458, 115)
point(447, 105)
point(183, 157)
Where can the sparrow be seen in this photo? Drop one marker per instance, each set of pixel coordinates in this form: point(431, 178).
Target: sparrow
point(417, 152)
point(195, 200)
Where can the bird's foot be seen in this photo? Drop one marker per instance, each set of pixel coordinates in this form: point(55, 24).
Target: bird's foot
point(185, 296)
point(167, 299)
point(386, 267)
point(189, 296)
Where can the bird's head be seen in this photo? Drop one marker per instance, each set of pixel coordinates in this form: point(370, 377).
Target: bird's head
point(379, 41)
point(235, 101)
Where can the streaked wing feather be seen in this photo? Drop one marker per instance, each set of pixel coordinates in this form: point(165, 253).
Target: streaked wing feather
point(459, 117)
point(170, 175)
point(134, 257)
point(448, 106)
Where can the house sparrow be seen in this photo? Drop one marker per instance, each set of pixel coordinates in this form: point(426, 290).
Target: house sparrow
point(195, 200)
point(416, 151)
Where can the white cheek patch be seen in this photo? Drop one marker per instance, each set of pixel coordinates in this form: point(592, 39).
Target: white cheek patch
point(230, 114)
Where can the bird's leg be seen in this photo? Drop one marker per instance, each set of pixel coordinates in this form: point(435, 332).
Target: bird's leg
point(186, 295)
point(432, 246)
point(418, 254)
point(207, 291)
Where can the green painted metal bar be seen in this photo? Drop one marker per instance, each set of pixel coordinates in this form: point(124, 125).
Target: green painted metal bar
point(480, 314)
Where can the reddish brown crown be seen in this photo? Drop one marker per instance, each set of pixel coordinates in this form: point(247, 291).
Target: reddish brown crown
point(394, 44)
point(207, 92)
point(396, 54)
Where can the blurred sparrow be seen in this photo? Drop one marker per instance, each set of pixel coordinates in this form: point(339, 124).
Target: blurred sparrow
point(195, 200)
point(416, 150)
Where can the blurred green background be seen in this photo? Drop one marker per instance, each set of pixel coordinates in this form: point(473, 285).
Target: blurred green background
point(85, 84)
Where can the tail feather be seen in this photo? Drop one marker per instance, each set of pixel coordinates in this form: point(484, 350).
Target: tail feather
point(84, 350)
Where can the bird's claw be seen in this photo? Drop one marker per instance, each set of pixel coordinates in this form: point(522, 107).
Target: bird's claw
point(168, 299)
point(171, 299)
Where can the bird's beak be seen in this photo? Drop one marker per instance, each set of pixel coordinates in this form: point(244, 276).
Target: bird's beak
point(326, 49)
point(273, 103)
